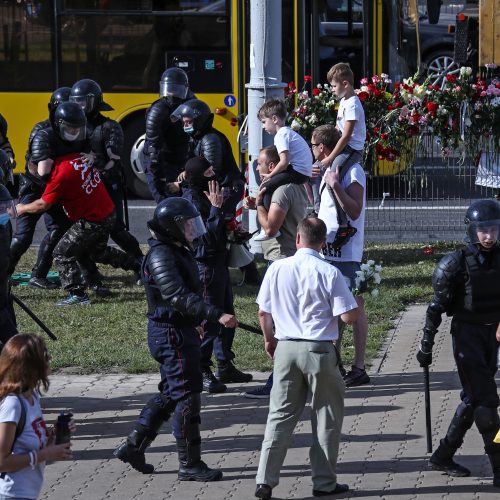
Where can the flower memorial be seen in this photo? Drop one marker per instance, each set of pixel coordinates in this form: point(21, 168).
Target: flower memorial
point(367, 278)
point(307, 111)
point(461, 114)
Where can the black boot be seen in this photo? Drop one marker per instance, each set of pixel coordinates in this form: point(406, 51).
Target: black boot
point(191, 467)
point(211, 384)
point(251, 275)
point(228, 373)
point(442, 458)
point(495, 465)
point(132, 450)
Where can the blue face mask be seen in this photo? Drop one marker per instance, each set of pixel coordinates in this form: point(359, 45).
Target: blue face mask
point(4, 218)
point(189, 130)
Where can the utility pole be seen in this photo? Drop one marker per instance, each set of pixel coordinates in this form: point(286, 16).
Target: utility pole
point(265, 83)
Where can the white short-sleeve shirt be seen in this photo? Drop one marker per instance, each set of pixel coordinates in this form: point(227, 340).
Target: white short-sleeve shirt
point(351, 109)
point(299, 153)
point(352, 251)
point(305, 295)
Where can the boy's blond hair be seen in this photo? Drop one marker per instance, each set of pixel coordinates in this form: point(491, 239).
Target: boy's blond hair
point(271, 108)
point(339, 73)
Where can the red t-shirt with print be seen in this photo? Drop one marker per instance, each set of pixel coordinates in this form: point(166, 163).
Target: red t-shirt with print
point(77, 186)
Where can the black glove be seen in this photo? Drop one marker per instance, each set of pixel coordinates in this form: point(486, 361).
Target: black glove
point(424, 358)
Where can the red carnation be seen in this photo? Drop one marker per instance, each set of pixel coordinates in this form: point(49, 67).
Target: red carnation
point(363, 96)
point(307, 78)
point(451, 78)
point(316, 91)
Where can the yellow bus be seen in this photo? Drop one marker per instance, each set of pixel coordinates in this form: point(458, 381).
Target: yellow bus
point(126, 44)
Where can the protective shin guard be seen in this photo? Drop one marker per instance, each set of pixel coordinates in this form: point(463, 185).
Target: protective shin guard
point(187, 418)
point(442, 458)
point(488, 424)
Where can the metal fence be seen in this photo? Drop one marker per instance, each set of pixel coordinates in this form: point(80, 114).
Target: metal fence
point(428, 201)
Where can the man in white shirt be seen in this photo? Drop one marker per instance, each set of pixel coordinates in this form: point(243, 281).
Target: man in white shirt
point(304, 296)
point(349, 192)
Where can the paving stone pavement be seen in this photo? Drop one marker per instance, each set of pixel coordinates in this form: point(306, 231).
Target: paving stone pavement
point(382, 453)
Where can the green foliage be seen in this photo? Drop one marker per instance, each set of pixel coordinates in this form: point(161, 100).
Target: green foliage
point(110, 334)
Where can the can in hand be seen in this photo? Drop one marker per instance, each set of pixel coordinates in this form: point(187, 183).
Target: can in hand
point(63, 434)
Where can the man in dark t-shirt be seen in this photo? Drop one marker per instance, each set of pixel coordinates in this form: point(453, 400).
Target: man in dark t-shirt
point(75, 184)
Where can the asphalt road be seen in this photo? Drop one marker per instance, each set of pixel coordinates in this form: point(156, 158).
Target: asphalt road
point(393, 221)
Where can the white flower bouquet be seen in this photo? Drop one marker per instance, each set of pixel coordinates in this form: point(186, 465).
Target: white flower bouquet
point(367, 278)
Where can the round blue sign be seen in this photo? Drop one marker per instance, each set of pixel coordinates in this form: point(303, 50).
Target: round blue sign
point(230, 101)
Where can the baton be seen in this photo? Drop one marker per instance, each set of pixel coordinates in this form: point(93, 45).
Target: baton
point(249, 328)
point(33, 316)
point(125, 199)
point(428, 425)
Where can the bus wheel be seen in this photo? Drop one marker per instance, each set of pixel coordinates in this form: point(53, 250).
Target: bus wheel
point(133, 158)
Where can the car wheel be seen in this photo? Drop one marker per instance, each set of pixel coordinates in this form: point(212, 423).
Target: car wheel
point(133, 157)
point(439, 64)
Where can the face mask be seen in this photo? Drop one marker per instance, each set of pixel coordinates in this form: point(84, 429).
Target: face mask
point(71, 137)
point(4, 218)
point(189, 130)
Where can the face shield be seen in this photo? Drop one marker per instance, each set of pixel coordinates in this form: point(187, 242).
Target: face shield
point(71, 133)
point(175, 90)
point(86, 102)
point(192, 229)
point(484, 232)
point(7, 206)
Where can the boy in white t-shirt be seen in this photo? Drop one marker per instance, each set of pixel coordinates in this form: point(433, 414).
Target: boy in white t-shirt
point(295, 165)
point(352, 127)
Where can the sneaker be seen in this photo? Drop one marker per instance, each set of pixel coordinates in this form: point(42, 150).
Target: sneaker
point(262, 236)
point(101, 290)
point(228, 374)
point(72, 300)
point(43, 283)
point(262, 392)
point(211, 384)
point(356, 377)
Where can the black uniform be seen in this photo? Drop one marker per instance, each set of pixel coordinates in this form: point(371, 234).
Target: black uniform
point(165, 147)
point(466, 287)
point(106, 141)
point(175, 308)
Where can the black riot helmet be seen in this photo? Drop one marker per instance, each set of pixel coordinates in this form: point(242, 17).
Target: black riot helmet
point(88, 95)
point(195, 110)
point(3, 127)
point(174, 83)
point(5, 164)
point(70, 122)
point(481, 217)
point(177, 220)
point(58, 96)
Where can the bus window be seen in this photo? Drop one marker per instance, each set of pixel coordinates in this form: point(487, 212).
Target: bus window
point(25, 47)
point(128, 52)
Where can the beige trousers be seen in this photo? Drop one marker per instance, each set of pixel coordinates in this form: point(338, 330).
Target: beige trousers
point(302, 368)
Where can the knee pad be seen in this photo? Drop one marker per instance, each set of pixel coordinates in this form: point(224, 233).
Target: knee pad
point(465, 413)
point(487, 419)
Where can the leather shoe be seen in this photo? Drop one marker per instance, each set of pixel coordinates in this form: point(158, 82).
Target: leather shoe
point(339, 488)
point(263, 491)
point(211, 384)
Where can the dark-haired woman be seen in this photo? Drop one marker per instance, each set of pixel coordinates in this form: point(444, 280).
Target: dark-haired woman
point(24, 369)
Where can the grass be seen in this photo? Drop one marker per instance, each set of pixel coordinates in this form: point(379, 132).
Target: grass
point(110, 335)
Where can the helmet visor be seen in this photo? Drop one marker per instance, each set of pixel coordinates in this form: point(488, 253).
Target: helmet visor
point(192, 229)
point(71, 132)
point(7, 211)
point(86, 102)
point(169, 89)
point(484, 232)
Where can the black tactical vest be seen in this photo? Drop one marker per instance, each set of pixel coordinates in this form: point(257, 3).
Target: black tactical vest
point(481, 299)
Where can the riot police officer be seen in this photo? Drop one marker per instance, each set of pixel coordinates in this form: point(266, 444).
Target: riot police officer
point(166, 145)
point(211, 258)
point(175, 309)
point(7, 316)
point(106, 141)
point(31, 188)
point(466, 287)
point(205, 140)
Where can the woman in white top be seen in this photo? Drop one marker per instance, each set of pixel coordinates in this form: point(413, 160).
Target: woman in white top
point(24, 369)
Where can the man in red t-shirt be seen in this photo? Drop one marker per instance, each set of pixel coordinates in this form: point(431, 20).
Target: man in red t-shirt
point(75, 184)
